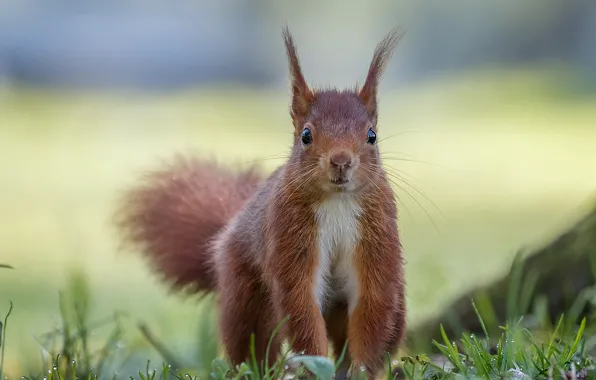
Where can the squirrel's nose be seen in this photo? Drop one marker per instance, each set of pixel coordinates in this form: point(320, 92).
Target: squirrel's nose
point(340, 160)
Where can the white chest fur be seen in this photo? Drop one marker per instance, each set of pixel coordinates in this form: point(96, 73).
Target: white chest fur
point(338, 234)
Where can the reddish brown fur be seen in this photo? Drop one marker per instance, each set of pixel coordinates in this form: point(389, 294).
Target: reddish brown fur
point(175, 212)
point(378, 322)
point(382, 55)
point(258, 243)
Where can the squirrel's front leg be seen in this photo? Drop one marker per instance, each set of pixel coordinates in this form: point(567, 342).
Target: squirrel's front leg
point(294, 296)
point(377, 321)
point(292, 265)
point(305, 327)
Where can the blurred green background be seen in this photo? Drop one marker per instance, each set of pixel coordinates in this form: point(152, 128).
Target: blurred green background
point(492, 108)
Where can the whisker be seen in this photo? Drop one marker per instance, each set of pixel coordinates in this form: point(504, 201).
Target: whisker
point(415, 161)
point(417, 202)
point(266, 159)
point(395, 135)
point(390, 169)
point(401, 172)
point(272, 157)
point(294, 180)
point(304, 175)
point(383, 153)
point(397, 177)
point(370, 180)
point(413, 187)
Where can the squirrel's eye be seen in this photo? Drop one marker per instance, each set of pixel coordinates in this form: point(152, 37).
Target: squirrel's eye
point(306, 137)
point(371, 137)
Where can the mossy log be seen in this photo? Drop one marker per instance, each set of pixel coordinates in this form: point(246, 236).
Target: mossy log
point(544, 284)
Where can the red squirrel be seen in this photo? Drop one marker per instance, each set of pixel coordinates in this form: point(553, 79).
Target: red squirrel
point(316, 241)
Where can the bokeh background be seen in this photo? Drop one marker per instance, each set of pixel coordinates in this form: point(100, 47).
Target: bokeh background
point(491, 107)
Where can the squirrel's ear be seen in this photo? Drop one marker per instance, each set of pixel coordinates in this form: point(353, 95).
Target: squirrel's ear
point(302, 96)
point(382, 55)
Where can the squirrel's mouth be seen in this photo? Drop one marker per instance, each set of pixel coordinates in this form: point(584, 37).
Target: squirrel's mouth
point(339, 181)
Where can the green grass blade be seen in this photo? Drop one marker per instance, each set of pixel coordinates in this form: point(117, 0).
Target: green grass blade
point(388, 357)
point(165, 353)
point(3, 339)
point(551, 344)
point(528, 291)
point(253, 355)
point(453, 353)
point(500, 362)
point(484, 330)
point(577, 340)
point(341, 357)
point(513, 291)
point(275, 331)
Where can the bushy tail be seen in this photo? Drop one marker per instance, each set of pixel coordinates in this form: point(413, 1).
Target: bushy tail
point(172, 216)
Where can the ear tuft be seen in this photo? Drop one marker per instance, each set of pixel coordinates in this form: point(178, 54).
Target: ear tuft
point(381, 57)
point(302, 96)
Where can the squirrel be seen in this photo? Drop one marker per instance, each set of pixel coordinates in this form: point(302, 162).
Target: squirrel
point(316, 242)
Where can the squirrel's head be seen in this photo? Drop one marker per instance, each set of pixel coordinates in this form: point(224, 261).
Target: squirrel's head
point(335, 131)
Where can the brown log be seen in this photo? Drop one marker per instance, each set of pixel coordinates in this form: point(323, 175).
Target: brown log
point(554, 276)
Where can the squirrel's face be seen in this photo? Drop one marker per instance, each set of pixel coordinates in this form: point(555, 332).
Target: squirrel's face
point(335, 133)
point(336, 146)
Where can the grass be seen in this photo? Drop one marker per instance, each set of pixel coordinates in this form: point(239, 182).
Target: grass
point(516, 353)
point(505, 161)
